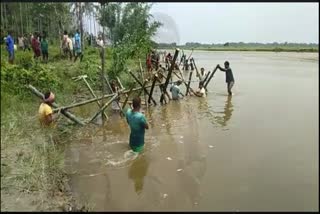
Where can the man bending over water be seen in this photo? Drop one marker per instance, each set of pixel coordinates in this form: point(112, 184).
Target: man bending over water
point(138, 124)
point(45, 111)
point(229, 76)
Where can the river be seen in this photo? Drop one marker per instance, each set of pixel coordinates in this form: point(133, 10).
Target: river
point(254, 151)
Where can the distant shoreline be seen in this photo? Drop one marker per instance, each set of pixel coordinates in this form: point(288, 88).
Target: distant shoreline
point(299, 50)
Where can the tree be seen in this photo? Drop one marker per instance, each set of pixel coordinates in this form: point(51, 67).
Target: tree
point(130, 31)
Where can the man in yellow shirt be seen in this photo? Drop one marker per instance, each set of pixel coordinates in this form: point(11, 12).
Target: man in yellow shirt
point(45, 111)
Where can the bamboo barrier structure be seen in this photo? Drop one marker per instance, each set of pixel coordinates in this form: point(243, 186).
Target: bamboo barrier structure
point(63, 111)
point(143, 88)
point(164, 88)
point(214, 71)
point(104, 107)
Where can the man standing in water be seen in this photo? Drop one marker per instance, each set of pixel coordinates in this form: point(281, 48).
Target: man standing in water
point(175, 90)
point(229, 76)
point(138, 124)
point(201, 92)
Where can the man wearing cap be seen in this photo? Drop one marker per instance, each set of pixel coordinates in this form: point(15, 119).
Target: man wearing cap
point(45, 111)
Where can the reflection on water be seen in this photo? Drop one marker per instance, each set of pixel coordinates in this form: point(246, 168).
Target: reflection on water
point(137, 171)
point(227, 113)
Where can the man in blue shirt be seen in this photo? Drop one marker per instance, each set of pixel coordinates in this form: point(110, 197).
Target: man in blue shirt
point(175, 90)
point(138, 124)
point(10, 47)
point(77, 46)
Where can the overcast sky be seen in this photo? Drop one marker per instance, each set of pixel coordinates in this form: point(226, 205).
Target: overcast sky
point(237, 22)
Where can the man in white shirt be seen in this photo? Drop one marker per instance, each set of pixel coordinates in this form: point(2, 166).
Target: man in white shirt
point(201, 92)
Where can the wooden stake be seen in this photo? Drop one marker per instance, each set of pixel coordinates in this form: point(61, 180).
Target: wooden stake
point(198, 74)
point(126, 100)
point(93, 94)
point(63, 111)
point(145, 90)
point(152, 87)
point(214, 71)
point(104, 107)
point(188, 86)
point(205, 79)
point(169, 75)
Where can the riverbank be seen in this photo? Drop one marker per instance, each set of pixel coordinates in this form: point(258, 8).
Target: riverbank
point(33, 176)
point(253, 49)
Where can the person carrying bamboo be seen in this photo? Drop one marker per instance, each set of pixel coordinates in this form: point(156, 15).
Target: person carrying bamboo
point(138, 124)
point(229, 76)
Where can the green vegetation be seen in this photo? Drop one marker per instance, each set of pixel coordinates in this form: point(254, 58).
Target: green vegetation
point(32, 166)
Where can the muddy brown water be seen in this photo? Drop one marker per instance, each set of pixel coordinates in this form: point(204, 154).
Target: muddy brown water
point(256, 150)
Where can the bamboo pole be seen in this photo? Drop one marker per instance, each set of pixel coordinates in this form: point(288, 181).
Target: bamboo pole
point(143, 86)
point(82, 103)
point(198, 74)
point(104, 107)
point(164, 88)
point(152, 87)
point(142, 76)
point(188, 86)
point(214, 71)
point(93, 94)
point(145, 90)
point(126, 100)
point(63, 111)
point(205, 79)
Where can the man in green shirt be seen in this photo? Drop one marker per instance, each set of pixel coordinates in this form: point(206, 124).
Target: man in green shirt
point(138, 124)
point(44, 49)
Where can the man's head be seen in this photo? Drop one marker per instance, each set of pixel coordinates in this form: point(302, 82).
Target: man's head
point(201, 85)
point(49, 97)
point(136, 103)
point(10, 32)
point(226, 64)
point(65, 32)
point(179, 82)
point(77, 31)
point(202, 71)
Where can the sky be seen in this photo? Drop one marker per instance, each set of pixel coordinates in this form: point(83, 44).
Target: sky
point(237, 22)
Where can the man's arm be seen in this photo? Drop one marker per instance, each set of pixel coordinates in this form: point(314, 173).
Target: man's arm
point(222, 69)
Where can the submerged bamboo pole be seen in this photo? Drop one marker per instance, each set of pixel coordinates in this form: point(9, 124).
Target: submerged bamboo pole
point(104, 107)
point(188, 86)
point(164, 88)
point(126, 100)
point(142, 76)
point(93, 94)
point(214, 71)
point(205, 79)
point(145, 90)
point(152, 87)
point(63, 111)
point(198, 74)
